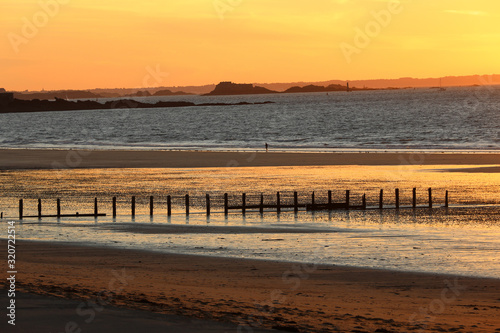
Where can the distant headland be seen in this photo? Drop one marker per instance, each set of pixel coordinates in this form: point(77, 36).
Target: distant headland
point(404, 82)
point(8, 104)
point(299, 86)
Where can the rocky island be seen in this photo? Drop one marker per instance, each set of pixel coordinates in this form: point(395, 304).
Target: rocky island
point(313, 88)
point(229, 88)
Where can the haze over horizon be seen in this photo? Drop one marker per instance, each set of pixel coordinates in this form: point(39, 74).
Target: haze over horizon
point(76, 44)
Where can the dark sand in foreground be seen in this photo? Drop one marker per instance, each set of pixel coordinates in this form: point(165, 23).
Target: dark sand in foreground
point(265, 294)
point(37, 313)
point(47, 159)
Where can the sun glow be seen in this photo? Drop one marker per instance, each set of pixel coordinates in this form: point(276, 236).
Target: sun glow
point(55, 44)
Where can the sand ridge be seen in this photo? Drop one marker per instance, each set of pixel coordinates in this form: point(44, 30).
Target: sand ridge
point(67, 159)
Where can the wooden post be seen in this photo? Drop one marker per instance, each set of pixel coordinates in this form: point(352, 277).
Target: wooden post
point(381, 200)
point(133, 206)
point(261, 203)
point(21, 208)
point(169, 205)
point(226, 204)
point(114, 206)
point(151, 206)
point(278, 202)
point(347, 198)
point(329, 197)
point(446, 200)
point(244, 203)
point(208, 203)
point(414, 198)
point(397, 198)
point(312, 199)
point(295, 202)
point(364, 201)
point(58, 208)
point(39, 208)
point(430, 197)
point(187, 204)
point(96, 211)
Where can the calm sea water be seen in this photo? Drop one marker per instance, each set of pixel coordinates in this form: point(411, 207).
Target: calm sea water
point(421, 119)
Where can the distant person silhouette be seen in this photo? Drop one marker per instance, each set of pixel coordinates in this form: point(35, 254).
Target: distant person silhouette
point(267, 147)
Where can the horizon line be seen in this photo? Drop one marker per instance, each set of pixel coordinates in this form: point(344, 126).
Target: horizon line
point(260, 83)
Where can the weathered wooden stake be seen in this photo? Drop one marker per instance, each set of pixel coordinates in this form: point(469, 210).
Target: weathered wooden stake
point(329, 197)
point(347, 198)
point(133, 206)
point(39, 208)
point(364, 201)
point(397, 198)
point(187, 204)
point(446, 200)
point(244, 203)
point(151, 206)
point(95, 207)
point(261, 208)
point(114, 206)
point(381, 200)
point(169, 205)
point(21, 208)
point(226, 204)
point(312, 198)
point(414, 198)
point(295, 202)
point(58, 208)
point(208, 204)
point(278, 202)
point(430, 197)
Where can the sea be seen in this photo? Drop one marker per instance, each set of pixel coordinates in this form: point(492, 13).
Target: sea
point(463, 239)
point(457, 119)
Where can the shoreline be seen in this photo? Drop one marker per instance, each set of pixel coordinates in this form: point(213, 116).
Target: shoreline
point(201, 257)
point(280, 295)
point(13, 159)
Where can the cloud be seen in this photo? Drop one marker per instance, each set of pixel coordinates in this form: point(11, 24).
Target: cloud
point(466, 12)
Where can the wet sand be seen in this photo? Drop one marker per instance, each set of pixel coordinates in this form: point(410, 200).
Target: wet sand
point(494, 169)
point(48, 159)
point(217, 230)
point(286, 296)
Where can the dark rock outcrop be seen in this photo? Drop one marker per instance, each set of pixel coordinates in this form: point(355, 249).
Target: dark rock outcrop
point(229, 88)
point(38, 105)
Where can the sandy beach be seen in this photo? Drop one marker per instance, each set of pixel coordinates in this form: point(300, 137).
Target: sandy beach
point(48, 159)
point(227, 292)
point(262, 294)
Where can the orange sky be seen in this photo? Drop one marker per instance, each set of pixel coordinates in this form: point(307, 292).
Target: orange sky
point(82, 44)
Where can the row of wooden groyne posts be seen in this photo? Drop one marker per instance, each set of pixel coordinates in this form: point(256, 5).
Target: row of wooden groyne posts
point(244, 206)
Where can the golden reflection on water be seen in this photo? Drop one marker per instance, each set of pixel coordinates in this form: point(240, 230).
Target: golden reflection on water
point(78, 187)
point(455, 241)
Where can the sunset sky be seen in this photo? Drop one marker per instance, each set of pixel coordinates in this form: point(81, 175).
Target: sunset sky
point(82, 44)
